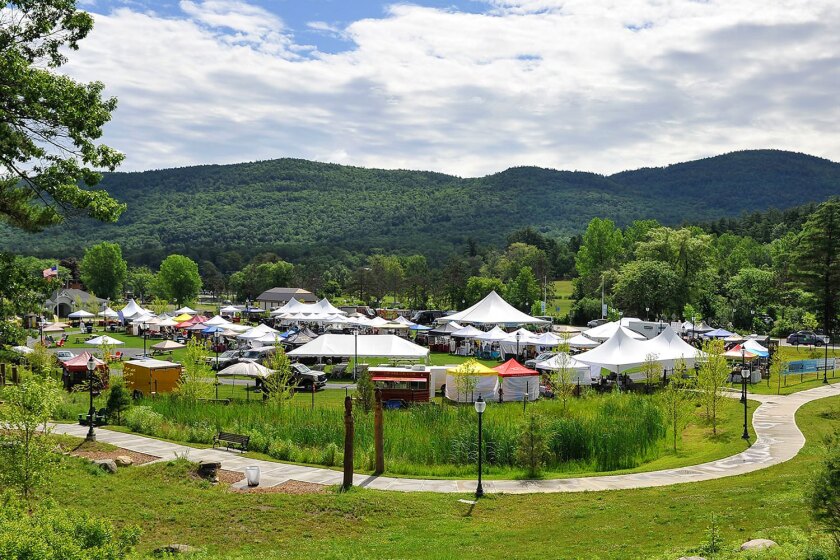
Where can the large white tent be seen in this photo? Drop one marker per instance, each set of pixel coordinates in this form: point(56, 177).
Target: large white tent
point(467, 332)
point(581, 341)
point(364, 346)
point(496, 334)
point(608, 330)
point(619, 353)
point(216, 321)
point(81, 314)
point(668, 347)
point(493, 310)
point(132, 310)
point(108, 313)
point(257, 332)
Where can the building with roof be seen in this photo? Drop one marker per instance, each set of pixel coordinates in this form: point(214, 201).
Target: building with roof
point(275, 297)
point(66, 300)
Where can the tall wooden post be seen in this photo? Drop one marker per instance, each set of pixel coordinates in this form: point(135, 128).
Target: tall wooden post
point(2, 374)
point(14, 375)
point(348, 443)
point(378, 435)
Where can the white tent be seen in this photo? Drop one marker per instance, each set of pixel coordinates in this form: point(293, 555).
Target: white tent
point(608, 330)
point(669, 347)
point(579, 371)
point(547, 339)
point(467, 332)
point(619, 353)
point(493, 310)
point(108, 313)
point(229, 310)
point(168, 322)
point(496, 334)
point(324, 306)
point(186, 310)
point(81, 314)
point(270, 339)
point(257, 332)
point(462, 387)
point(104, 339)
point(369, 346)
point(132, 310)
point(217, 321)
point(404, 321)
point(446, 329)
point(245, 369)
point(581, 341)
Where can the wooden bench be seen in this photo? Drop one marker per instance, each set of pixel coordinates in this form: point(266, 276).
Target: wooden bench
point(229, 440)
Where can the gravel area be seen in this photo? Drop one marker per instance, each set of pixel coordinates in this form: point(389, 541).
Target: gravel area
point(230, 477)
point(138, 458)
point(289, 487)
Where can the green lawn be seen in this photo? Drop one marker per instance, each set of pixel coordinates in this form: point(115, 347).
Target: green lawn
point(171, 507)
point(562, 298)
point(794, 383)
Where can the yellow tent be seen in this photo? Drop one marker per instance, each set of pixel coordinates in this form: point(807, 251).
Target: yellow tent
point(470, 380)
point(182, 317)
point(472, 367)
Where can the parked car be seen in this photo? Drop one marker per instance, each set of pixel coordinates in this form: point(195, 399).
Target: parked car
point(227, 358)
point(64, 355)
point(541, 357)
point(259, 355)
point(807, 337)
point(303, 378)
point(597, 323)
point(427, 317)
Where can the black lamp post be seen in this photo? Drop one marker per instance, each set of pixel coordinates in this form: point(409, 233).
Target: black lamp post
point(647, 312)
point(91, 366)
point(517, 344)
point(145, 328)
point(743, 369)
point(480, 405)
point(217, 340)
point(745, 373)
point(825, 363)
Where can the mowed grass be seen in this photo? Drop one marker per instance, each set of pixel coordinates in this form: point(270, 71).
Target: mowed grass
point(561, 303)
point(172, 507)
point(794, 383)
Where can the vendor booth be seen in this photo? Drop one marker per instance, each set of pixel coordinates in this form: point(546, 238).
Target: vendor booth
point(405, 385)
point(467, 381)
point(76, 373)
point(518, 382)
point(151, 376)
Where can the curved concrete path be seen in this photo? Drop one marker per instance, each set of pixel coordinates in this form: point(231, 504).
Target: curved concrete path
point(779, 440)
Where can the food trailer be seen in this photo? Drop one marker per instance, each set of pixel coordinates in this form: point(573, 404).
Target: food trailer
point(403, 385)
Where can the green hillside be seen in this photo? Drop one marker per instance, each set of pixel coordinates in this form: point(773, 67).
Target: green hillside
point(296, 203)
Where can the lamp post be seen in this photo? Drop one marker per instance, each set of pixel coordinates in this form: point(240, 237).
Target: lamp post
point(145, 329)
point(91, 366)
point(647, 313)
point(247, 309)
point(743, 369)
point(480, 405)
point(217, 340)
point(355, 351)
point(825, 363)
point(517, 344)
point(745, 373)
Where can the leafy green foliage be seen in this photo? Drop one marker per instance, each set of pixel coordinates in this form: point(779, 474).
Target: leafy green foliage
point(119, 400)
point(825, 490)
point(532, 450)
point(178, 279)
point(712, 380)
point(49, 123)
point(104, 270)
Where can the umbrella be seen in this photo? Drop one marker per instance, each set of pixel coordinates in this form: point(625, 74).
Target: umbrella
point(245, 369)
point(102, 340)
point(22, 349)
point(167, 345)
point(187, 311)
point(167, 323)
point(108, 313)
point(81, 314)
point(55, 327)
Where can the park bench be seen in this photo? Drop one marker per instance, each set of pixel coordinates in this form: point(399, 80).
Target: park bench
point(229, 440)
point(100, 418)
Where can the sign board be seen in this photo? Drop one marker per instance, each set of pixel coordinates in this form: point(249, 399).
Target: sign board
point(809, 366)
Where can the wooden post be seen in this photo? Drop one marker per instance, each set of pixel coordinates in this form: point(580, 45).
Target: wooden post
point(2, 374)
point(348, 443)
point(378, 435)
point(14, 375)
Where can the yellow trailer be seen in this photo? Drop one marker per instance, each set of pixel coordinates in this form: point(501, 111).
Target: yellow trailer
point(151, 376)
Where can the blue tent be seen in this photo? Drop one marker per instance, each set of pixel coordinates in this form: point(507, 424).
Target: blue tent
point(718, 333)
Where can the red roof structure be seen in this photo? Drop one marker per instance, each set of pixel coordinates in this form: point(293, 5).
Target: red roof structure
point(512, 368)
point(79, 363)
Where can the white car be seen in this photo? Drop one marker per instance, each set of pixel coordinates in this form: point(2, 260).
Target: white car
point(64, 355)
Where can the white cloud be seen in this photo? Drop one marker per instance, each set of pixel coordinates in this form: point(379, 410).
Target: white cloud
point(600, 85)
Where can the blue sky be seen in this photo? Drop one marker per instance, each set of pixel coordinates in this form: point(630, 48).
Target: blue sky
point(468, 87)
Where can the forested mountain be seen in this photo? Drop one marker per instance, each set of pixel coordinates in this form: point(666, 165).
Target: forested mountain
point(295, 205)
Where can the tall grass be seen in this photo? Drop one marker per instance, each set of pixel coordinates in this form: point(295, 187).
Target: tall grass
point(600, 433)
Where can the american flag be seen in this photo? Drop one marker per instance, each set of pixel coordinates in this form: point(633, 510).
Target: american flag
point(51, 272)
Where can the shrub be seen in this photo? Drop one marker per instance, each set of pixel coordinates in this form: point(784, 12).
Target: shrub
point(144, 420)
point(532, 448)
point(824, 493)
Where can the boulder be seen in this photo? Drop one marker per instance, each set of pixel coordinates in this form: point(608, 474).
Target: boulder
point(175, 549)
point(107, 465)
point(209, 470)
point(124, 461)
point(758, 544)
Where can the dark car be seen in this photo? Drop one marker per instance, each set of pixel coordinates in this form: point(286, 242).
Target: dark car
point(806, 337)
point(597, 323)
point(427, 316)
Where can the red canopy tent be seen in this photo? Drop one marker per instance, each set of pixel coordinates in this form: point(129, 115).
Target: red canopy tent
point(512, 368)
point(75, 370)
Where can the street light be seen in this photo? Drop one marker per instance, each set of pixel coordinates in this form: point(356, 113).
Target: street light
point(518, 334)
point(743, 369)
point(355, 351)
point(91, 366)
point(480, 405)
point(217, 340)
point(647, 311)
point(745, 373)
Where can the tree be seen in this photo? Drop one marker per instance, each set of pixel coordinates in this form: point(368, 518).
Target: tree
point(211, 277)
point(193, 382)
point(824, 494)
point(178, 279)
point(712, 378)
point(673, 400)
point(562, 377)
point(750, 290)
point(118, 402)
point(644, 285)
point(416, 280)
point(479, 286)
point(49, 123)
point(140, 280)
point(599, 251)
point(104, 270)
point(523, 290)
point(650, 368)
point(280, 385)
point(365, 390)
point(532, 450)
point(27, 456)
point(817, 257)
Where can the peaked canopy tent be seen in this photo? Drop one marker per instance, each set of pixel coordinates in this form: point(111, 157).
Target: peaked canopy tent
point(470, 380)
point(581, 341)
point(363, 345)
point(257, 332)
point(579, 372)
point(229, 310)
point(496, 334)
point(245, 369)
point(701, 328)
point(608, 330)
point(619, 353)
point(447, 329)
point(108, 313)
point(216, 321)
point(167, 345)
point(81, 314)
point(518, 382)
point(186, 310)
point(493, 310)
point(131, 311)
point(103, 340)
point(756, 348)
point(718, 333)
point(467, 332)
point(669, 348)
point(741, 353)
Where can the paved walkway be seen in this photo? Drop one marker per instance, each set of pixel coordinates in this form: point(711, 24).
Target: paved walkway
point(779, 440)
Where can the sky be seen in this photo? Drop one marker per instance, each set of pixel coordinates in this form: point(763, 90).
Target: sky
point(467, 87)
